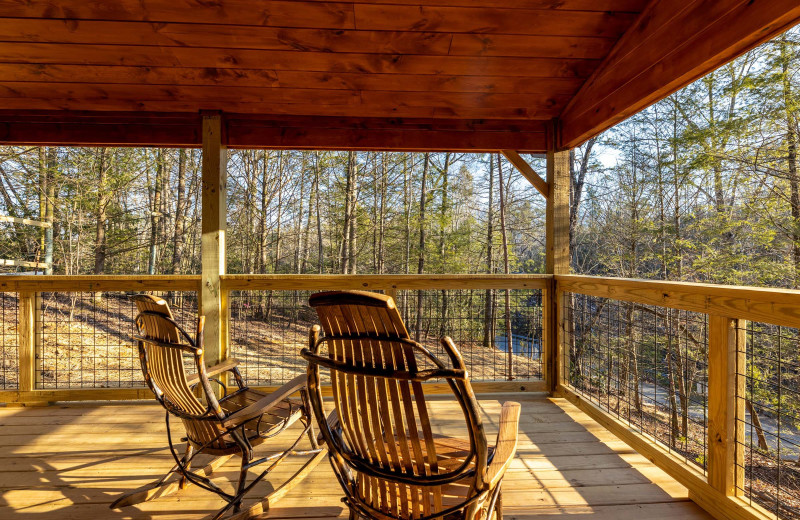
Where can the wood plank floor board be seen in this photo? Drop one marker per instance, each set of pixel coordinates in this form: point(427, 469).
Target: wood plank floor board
point(69, 462)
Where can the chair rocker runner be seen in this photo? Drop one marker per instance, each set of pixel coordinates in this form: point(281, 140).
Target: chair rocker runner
point(383, 448)
point(219, 427)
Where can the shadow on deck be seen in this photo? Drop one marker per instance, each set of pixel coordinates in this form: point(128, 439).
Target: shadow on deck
point(70, 462)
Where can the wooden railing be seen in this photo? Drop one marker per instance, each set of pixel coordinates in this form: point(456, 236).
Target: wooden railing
point(717, 484)
point(32, 388)
point(726, 310)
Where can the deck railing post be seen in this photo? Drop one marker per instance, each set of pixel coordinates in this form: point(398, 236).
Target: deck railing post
point(551, 318)
point(557, 253)
point(26, 331)
point(726, 358)
point(213, 299)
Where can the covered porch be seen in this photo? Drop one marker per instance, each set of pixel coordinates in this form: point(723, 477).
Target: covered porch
point(604, 434)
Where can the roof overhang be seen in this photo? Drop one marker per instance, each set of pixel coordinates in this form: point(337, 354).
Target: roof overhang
point(528, 75)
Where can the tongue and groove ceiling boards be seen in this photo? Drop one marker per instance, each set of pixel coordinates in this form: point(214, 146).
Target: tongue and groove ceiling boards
point(380, 74)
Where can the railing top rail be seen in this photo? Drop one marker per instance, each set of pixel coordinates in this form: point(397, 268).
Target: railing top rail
point(94, 283)
point(382, 281)
point(768, 305)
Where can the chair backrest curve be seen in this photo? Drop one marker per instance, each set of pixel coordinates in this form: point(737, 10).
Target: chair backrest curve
point(386, 432)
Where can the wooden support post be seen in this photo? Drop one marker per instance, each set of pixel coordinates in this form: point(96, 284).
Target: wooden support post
point(26, 330)
point(213, 300)
point(550, 323)
point(556, 260)
point(726, 404)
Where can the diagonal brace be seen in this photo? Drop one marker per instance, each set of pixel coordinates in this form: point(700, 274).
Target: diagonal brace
point(527, 172)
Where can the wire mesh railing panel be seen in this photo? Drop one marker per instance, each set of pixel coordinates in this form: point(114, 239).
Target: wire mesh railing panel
point(267, 331)
point(769, 362)
point(643, 364)
point(476, 320)
point(9, 341)
point(269, 328)
point(85, 338)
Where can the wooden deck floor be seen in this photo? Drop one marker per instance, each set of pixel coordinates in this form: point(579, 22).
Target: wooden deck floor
point(70, 462)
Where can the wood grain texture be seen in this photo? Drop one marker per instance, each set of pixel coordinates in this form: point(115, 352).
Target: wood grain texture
point(670, 45)
point(213, 300)
point(591, 64)
point(557, 254)
point(767, 305)
point(717, 504)
point(255, 131)
point(233, 282)
point(611, 483)
point(302, 39)
point(727, 339)
point(99, 283)
point(26, 338)
point(528, 172)
point(241, 77)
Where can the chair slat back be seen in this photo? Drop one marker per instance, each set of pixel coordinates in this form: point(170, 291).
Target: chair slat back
point(385, 421)
point(165, 364)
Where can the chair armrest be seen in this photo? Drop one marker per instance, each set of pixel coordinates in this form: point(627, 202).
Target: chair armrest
point(228, 364)
point(264, 404)
point(506, 445)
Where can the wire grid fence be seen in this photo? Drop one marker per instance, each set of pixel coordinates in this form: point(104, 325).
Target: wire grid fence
point(643, 364)
point(9, 341)
point(85, 338)
point(268, 329)
point(769, 362)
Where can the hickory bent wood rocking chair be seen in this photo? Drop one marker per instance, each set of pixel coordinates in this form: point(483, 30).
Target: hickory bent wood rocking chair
point(383, 449)
point(219, 427)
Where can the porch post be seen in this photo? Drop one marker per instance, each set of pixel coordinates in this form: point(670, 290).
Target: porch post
point(556, 257)
point(213, 302)
point(727, 338)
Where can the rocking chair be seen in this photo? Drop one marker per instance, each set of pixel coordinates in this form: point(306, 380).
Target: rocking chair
point(220, 427)
point(382, 448)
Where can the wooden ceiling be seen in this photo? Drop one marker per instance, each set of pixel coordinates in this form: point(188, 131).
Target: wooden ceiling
point(439, 74)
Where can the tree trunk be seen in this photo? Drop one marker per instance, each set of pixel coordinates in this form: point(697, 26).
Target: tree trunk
point(103, 198)
point(47, 205)
point(179, 233)
point(421, 265)
point(320, 242)
point(443, 216)
point(298, 254)
point(506, 267)
point(488, 324)
point(279, 216)
point(347, 254)
point(578, 182)
point(155, 211)
point(382, 213)
point(791, 157)
point(262, 223)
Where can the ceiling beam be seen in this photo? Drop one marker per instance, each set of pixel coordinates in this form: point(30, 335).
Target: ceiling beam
point(55, 128)
point(673, 43)
point(527, 171)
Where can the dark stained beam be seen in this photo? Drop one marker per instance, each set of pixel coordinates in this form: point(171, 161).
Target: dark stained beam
point(343, 133)
point(673, 43)
point(252, 131)
point(55, 128)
